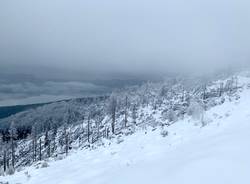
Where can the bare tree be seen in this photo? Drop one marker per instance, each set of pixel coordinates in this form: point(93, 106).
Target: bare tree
point(5, 159)
point(221, 89)
point(107, 133)
point(112, 110)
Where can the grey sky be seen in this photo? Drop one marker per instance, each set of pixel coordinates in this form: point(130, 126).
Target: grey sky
point(51, 49)
point(124, 36)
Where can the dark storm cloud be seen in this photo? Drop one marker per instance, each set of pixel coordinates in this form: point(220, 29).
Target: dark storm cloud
point(123, 36)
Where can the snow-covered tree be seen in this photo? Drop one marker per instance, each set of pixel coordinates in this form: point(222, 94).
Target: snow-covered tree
point(13, 136)
point(171, 115)
point(134, 114)
point(196, 110)
point(88, 127)
point(221, 88)
point(1, 153)
point(66, 138)
point(40, 149)
point(126, 112)
point(47, 142)
point(5, 159)
point(34, 135)
point(170, 101)
point(112, 111)
point(53, 138)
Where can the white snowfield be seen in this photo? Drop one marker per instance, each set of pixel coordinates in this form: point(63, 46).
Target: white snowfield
point(218, 153)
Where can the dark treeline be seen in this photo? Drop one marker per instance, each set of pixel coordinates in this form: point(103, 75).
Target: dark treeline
point(46, 115)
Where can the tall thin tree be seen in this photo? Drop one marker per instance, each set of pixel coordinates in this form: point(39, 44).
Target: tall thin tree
point(113, 108)
point(40, 149)
point(134, 114)
point(13, 136)
point(34, 141)
point(126, 112)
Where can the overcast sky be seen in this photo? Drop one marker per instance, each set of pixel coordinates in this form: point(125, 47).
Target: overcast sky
point(75, 40)
point(126, 36)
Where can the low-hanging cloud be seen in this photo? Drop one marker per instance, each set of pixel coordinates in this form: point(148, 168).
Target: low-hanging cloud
point(28, 92)
point(132, 36)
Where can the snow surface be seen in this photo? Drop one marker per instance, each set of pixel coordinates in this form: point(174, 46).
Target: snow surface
point(218, 153)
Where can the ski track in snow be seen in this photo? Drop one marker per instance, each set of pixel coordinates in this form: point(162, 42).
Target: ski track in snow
point(215, 154)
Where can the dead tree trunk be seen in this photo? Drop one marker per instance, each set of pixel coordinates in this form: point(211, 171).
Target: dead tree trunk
point(126, 112)
point(5, 160)
point(113, 107)
point(98, 130)
point(40, 149)
point(204, 92)
point(221, 89)
point(12, 152)
point(67, 143)
point(88, 127)
point(34, 142)
point(134, 114)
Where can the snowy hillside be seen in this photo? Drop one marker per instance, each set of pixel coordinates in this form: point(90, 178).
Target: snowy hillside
point(187, 151)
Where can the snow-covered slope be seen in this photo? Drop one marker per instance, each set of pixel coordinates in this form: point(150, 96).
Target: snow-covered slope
point(215, 154)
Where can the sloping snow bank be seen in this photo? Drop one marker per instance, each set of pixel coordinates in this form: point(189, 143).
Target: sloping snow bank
point(218, 153)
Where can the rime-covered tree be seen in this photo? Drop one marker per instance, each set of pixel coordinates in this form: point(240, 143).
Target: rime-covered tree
point(112, 111)
point(171, 115)
point(81, 132)
point(88, 127)
point(172, 99)
point(47, 142)
point(236, 82)
point(126, 112)
point(34, 131)
point(66, 138)
point(4, 157)
point(134, 114)
point(40, 149)
point(221, 88)
point(98, 123)
point(53, 138)
point(196, 110)
point(1, 151)
point(13, 136)
point(204, 90)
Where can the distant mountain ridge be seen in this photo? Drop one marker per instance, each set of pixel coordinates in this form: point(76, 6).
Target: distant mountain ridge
point(7, 111)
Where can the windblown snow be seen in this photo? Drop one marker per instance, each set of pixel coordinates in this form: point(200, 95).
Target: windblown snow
point(218, 153)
